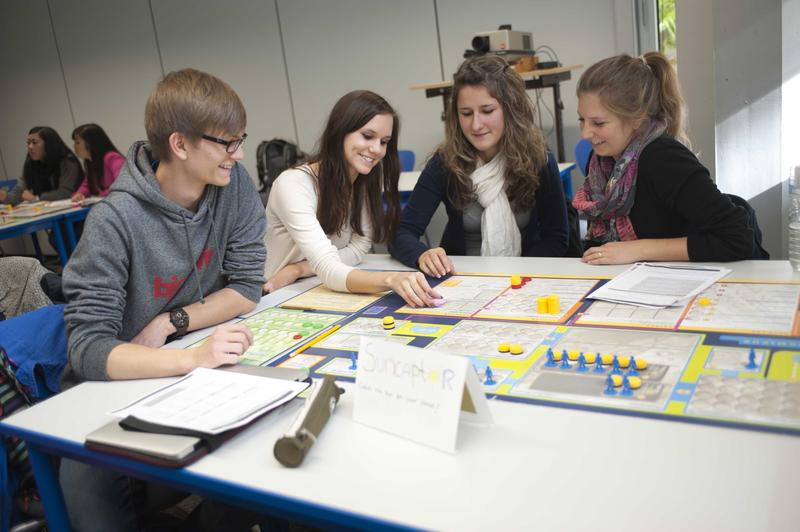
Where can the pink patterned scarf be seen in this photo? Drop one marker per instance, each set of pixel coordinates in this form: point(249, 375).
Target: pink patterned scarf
point(607, 195)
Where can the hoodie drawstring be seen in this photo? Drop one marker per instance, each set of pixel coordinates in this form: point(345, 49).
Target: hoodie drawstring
point(194, 262)
point(216, 246)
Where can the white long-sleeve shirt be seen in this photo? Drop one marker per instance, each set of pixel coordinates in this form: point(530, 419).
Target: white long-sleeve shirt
point(294, 233)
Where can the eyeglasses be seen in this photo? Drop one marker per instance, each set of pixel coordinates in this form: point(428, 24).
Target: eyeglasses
point(230, 145)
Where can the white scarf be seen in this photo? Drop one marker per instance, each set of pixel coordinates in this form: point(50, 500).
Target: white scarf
point(499, 232)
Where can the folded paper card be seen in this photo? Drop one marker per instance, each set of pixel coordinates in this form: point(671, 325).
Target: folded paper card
point(419, 394)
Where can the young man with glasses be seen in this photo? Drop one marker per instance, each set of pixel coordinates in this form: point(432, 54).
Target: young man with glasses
point(177, 246)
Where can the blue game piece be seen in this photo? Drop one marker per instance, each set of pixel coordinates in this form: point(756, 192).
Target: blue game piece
point(598, 364)
point(610, 386)
point(353, 364)
point(582, 363)
point(564, 360)
point(551, 363)
point(615, 366)
point(488, 374)
point(626, 387)
point(633, 372)
point(751, 360)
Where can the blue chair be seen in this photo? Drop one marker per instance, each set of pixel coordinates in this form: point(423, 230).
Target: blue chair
point(8, 184)
point(406, 160)
point(583, 149)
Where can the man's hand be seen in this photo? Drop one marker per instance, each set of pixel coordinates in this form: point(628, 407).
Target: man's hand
point(224, 346)
point(27, 195)
point(155, 333)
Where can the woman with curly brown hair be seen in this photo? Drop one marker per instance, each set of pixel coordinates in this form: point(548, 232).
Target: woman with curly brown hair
point(499, 184)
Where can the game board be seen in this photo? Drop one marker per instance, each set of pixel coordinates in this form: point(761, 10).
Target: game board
point(277, 330)
point(321, 298)
point(732, 360)
point(31, 210)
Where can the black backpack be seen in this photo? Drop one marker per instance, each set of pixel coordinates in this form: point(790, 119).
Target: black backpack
point(273, 157)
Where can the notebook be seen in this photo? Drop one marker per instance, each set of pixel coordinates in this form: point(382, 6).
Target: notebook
point(170, 450)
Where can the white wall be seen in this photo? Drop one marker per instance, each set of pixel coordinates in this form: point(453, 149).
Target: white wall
point(695, 52)
point(240, 43)
point(66, 62)
point(32, 85)
point(747, 63)
point(97, 60)
point(790, 97)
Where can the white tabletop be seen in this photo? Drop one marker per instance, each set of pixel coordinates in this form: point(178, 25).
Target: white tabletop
point(538, 467)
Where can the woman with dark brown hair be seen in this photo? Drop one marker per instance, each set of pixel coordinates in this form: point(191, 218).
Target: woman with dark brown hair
point(499, 185)
point(323, 216)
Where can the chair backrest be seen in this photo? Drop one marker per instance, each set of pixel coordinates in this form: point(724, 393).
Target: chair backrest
point(583, 149)
point(759, 253)
point(407, 159)
point(575, 245)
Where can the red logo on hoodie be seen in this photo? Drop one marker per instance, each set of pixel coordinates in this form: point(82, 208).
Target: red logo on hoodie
point(167, 289)
point(205, 259)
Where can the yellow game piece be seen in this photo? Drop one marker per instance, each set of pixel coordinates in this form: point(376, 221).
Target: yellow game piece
point(516, 349)
point(624, 361)
point(573, 354)
point(617, 379)
point(634, 382)
point(590, 358)
point(388, 322)
point(704, 301)
point(503, 347)
point(516, 279)
point(557, 355)
point(641, 363)
point(606, 359)
point(553, 304)
point(541, 305)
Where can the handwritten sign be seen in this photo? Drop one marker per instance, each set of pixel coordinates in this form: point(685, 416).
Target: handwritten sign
point(419, 394)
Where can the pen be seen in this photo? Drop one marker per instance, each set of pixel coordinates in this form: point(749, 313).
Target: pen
point(317, 340)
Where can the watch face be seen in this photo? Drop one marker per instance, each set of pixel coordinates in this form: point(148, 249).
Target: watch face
point(179, 318)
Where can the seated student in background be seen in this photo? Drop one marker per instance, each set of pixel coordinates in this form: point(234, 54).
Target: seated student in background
point(176, 246)
point(499, 184)
point(322, 217)
point(51, 170)
point(646, 195)
point(102, 160)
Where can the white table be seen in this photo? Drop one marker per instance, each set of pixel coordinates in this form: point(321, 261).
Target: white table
point(538, 468)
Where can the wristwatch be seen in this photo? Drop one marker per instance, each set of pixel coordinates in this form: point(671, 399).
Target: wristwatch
point(180, 319)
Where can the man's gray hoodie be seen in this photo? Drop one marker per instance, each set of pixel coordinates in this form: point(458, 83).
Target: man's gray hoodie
point(141, 255)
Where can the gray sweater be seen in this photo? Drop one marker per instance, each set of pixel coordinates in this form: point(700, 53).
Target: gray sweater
point(68, 178)
point(141, 255)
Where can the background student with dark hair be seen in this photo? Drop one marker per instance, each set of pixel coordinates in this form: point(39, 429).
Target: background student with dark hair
point(51, 170)
point(101, 158)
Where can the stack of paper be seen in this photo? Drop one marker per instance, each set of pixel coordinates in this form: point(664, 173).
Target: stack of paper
point(659, 285)
point(212, 401)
